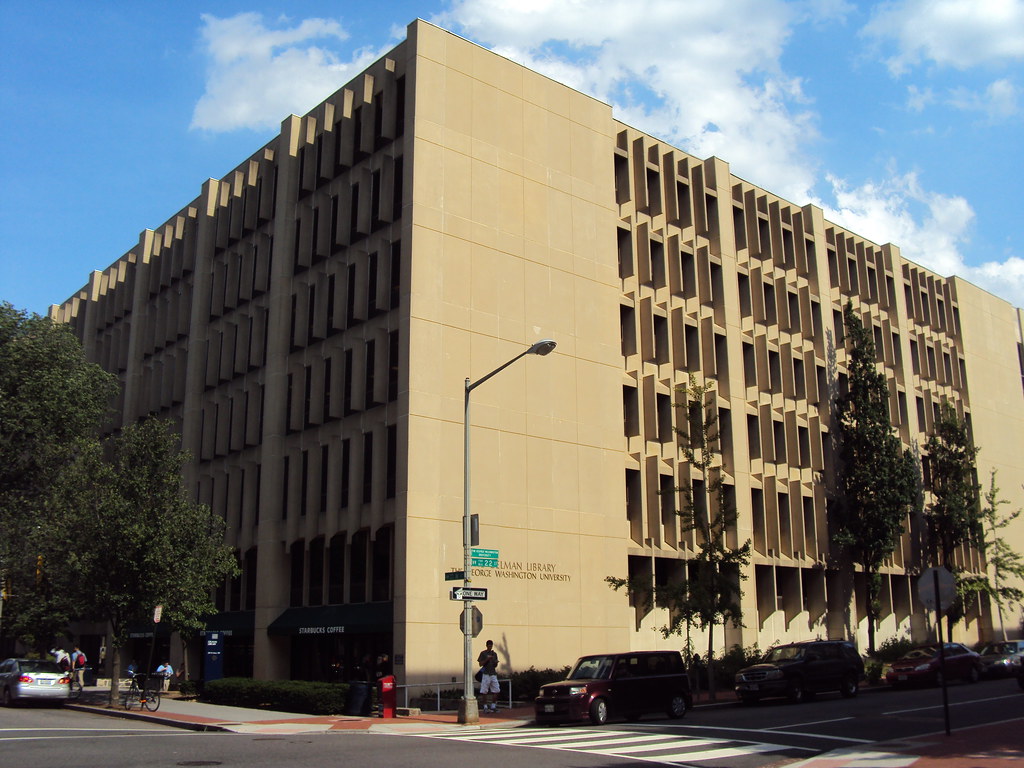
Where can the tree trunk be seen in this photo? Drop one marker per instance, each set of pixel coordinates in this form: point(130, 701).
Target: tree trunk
point(871, 617)
point(115, 676)
point(711, 662)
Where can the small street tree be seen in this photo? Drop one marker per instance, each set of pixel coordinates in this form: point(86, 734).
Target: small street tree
point(953, 516)
point(710, 594)
point(52, 402)
point(1005, 564)
point(878, 478)
point(144, 542)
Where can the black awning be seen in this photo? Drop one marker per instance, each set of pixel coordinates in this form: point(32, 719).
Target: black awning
point(358, 618)
point(237, 623)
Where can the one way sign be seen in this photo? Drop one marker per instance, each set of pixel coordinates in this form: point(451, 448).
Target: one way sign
point(468, 593)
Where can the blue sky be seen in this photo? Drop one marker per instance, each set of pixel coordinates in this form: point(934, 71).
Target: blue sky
point(904, 120)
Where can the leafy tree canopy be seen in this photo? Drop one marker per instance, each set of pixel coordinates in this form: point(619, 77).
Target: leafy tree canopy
point(52, 403)
point(878, 478)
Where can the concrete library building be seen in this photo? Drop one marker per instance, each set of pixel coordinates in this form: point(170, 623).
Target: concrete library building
point(427, 343)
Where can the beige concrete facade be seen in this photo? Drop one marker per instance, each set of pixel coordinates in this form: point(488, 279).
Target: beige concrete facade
point(310, 320)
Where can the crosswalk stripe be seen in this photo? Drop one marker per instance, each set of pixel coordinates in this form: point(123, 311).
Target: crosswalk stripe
point(670, 748)
point(674, 744)
point(720, 753)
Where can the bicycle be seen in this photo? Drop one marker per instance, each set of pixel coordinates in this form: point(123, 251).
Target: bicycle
point(143, 695)
point(75, 684)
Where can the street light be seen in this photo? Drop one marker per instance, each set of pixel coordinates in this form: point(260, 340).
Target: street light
point(468, 708)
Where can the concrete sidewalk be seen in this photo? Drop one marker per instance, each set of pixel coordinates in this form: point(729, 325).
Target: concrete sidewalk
point(990, 746)
point(200, 716)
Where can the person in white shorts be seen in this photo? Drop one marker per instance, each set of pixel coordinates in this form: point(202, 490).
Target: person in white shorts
point(488, 661)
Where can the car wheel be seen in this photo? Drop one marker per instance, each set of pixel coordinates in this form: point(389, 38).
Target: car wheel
point(599, 712)
point(973, 675)
point(8, 701)
point(849, 687)
point(676, 707)
point(795, 692)
point(938, 678)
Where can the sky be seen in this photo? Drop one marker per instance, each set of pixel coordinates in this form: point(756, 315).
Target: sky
point(903, 120)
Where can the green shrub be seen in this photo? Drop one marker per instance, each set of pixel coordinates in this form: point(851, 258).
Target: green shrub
point(892, 649)
point(188, 688)
point(735, 659)
point(526, 684)
point(873, 671)
point(310, 698)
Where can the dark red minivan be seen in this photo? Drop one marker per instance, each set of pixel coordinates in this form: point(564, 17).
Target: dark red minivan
point(617, 685)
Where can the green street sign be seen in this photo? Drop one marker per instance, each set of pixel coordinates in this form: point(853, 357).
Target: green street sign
point(491, 554)
point(455, 576)
point(485, 562)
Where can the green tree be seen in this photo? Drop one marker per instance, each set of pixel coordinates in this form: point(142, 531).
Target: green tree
point(878, 480)
point(953, 516)
point(1005, 563)
point(52, 403)
point(144, 542)
point(710, 595)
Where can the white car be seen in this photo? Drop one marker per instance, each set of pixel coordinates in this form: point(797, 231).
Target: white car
point(33, 680)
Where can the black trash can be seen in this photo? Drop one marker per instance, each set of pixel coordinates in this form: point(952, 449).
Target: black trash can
point(89, 676)
point(359, 701)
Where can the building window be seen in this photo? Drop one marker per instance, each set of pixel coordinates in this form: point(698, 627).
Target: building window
point(336, 570)
point(367, 467)
point(357, 567)
point(381, 566)
point(298, 569)
point(316, 571)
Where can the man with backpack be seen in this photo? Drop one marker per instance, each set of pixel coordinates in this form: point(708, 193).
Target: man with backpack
point(78, 662)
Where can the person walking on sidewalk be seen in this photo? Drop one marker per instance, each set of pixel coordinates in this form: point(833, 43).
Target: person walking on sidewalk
point(488, 661)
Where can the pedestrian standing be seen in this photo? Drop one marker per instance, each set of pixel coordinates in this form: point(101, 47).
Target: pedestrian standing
point(488, 661)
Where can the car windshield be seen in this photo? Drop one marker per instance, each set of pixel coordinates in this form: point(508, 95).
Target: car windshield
point(927, 652)
point(999, 649)
point(592, 668)
point(35, 665)
point(784, 653)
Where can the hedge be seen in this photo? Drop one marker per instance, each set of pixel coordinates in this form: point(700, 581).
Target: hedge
point(304, 697)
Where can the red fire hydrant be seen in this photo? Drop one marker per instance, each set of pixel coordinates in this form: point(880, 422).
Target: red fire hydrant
point(387, 696)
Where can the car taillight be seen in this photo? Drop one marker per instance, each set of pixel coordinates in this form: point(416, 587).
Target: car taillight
point(25, 679)
point(65, 680)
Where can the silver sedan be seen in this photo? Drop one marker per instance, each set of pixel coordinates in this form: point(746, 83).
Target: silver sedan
point(33, 680)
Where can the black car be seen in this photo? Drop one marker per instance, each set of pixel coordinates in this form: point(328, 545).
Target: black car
point(800, 670)
point(617, 684)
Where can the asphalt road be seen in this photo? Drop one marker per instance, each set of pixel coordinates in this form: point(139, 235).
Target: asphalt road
point(772, 733)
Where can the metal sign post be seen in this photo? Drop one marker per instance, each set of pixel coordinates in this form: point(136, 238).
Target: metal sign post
point(937, 590)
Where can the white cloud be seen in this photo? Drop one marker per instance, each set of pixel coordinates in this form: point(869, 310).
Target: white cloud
point(997, 102)
point(919, 98)
point(931, 229)
point(672, 69)
point(258, 75)
point(954, 33)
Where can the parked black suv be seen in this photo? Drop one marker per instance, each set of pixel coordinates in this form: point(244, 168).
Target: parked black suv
point(799, 670)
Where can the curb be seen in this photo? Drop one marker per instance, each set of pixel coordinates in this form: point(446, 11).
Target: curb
point(148, 717)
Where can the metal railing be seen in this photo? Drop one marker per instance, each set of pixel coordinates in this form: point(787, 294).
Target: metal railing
point(448, 684)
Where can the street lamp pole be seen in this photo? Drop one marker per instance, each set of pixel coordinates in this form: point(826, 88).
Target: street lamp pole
point(468, 708)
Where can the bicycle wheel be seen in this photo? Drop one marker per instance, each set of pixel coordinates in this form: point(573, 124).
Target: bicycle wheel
point(151, 701)
point(131, 699)
point(76, 690)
